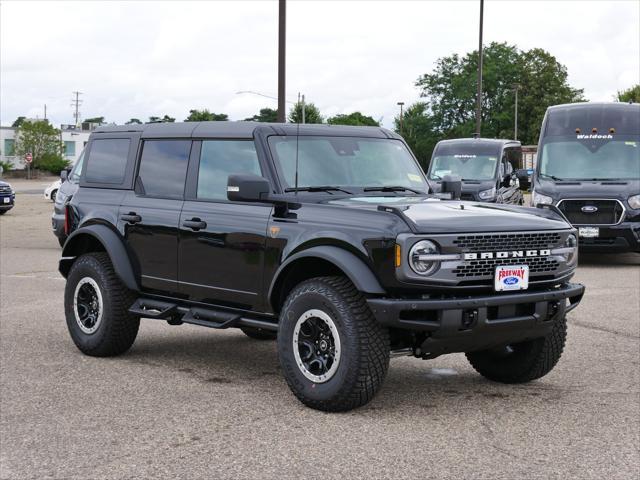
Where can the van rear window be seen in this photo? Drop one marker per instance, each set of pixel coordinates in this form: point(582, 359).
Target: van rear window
point(107, 161)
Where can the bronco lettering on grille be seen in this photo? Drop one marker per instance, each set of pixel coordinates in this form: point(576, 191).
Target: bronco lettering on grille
point(511, 254)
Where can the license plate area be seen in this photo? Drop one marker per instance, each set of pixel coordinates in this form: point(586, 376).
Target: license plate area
point(511, 277)
point(589, 232)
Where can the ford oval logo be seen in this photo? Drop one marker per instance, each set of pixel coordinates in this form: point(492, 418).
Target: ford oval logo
point(511, 280)
point(589, 209)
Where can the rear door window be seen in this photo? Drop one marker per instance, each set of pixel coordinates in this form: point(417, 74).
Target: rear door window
point(221, 158)
point(107, 160)
point(163, 168)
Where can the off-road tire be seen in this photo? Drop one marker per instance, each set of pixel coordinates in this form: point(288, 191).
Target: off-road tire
point(364, 347)
point(118, 328)
point(53, 196)
point(530, 360)
point(259, 333)
point(2, 212)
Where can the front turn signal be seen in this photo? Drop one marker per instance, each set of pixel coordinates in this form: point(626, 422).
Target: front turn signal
point(398, 261)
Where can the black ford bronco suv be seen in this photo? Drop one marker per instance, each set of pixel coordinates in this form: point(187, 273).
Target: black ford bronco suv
point(322, 237)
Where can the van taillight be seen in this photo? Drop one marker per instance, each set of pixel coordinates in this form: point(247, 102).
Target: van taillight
point(67, 219)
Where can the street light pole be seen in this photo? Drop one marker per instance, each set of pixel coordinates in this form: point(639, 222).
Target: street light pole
point(479, 97)
point(401, 115)
point(515, 126)
point(282, 37)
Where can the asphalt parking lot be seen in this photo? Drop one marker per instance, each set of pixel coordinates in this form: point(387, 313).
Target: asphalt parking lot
point(190, 402)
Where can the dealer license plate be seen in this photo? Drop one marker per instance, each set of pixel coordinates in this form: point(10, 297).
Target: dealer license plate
point(589, 232)
point(512, 277)
point(6, 199)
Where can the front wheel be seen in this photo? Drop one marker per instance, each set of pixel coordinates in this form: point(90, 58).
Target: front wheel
point(53, 196)
point(96, 307)
point(333, 353)
point(522, 362)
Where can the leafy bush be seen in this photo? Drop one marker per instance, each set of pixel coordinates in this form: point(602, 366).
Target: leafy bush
point(5, 166)
point(53, 163)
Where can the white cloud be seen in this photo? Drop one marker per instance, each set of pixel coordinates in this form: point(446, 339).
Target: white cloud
point(136, 59)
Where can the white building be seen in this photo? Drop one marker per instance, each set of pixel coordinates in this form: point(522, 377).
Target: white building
point(74, 140)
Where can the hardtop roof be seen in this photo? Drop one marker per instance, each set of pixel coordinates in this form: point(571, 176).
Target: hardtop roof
point(226, 129)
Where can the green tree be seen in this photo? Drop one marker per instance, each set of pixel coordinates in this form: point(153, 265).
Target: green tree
point(631, 94)
point(165, 119)
point(265, 115)
point(355, 118)
point(311, 113)
point(451, 92)
point(419, 131)
point(39, 138)
point(18, 121)
point(205, 116)
point(133, 121)
point(98, 120)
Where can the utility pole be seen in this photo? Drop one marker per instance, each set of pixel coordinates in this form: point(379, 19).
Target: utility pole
point(515, 126)
point(401, 116)
point(479, 97)
point(45, 111)
point(304, 120)
point(282, 38)
point(76, 102)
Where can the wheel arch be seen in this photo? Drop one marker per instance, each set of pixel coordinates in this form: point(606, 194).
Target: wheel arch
point(99, 238)
point(325, 260)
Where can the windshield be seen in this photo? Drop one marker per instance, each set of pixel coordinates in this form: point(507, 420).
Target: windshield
point(346, 162)
point(468, 160)
point(586, 157)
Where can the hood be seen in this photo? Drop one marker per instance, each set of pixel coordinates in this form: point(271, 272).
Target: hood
point(4, 184)
point(432, 215)
point(468, 186)
point(614, 189)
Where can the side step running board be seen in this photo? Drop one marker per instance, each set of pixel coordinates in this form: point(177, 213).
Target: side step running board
point(206, 317)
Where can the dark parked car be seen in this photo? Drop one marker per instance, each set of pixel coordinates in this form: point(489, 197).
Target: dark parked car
point(589, 168)
point(68, 187)
point(486, 166)
point(321, 236)
point(7, 197)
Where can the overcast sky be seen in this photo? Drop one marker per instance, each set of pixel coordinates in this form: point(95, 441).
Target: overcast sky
point(137, 59)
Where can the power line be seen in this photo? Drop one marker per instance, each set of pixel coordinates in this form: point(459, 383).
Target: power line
point(76, 102)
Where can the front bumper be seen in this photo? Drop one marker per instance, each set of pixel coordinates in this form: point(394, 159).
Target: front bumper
point(7, 205)
point(464, 324)
point(624, 237)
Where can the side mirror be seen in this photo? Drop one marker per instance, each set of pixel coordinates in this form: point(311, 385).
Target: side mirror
point(63, 175)
point(523, 178)
point(452, 184)
point(247, 188)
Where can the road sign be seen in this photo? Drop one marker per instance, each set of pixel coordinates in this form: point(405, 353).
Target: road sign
point(28, 158)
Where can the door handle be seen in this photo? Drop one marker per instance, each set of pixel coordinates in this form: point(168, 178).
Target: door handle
point(195, 224)
point(131, 217)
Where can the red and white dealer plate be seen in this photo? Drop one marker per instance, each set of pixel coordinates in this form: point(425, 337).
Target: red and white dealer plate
point(511, 277)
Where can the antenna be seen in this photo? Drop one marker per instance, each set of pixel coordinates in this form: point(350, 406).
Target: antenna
point(297, 142)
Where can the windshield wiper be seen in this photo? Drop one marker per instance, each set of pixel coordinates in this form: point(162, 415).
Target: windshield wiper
point(392, 189)
point(552, 177)
point(318, 188)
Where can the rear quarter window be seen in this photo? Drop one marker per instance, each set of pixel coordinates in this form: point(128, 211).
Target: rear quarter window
point(107, 161)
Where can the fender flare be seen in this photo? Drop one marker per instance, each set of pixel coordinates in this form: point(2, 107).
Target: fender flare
point(113, 245)
point(353, 267)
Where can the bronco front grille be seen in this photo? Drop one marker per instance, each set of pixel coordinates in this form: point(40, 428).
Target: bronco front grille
point(592, 212)
point(5, 189)
point(507, 241)
point(487, 267)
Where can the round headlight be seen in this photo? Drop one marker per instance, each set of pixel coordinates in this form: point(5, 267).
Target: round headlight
point(572, 242)
point(419, 264)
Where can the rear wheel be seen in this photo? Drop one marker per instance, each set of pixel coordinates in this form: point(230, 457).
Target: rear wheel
point(522, 362)
point(96, 307)
point(53, 196)
point(333, 353)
